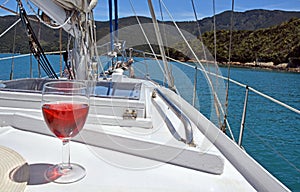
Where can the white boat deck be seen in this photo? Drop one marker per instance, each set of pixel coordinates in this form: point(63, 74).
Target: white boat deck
point(109, 170)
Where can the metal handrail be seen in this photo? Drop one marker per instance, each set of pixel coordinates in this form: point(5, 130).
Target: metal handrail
point(180, 114)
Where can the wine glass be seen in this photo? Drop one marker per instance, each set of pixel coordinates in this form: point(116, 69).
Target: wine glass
point(65, 106)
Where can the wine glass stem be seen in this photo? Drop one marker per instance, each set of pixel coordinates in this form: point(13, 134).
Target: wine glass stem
point(66, 155)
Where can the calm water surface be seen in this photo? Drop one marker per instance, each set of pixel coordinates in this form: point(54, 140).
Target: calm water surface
point(272, 132)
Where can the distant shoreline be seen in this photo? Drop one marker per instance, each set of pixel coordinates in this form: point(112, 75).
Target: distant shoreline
point(283, 67)
point(264, 65)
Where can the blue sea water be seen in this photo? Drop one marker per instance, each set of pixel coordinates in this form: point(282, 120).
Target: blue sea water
point(21, 66)
point(272, 132)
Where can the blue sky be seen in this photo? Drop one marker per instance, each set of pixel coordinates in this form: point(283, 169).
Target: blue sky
point(182, 9)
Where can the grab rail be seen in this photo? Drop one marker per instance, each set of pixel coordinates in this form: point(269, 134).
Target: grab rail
point(179, 113)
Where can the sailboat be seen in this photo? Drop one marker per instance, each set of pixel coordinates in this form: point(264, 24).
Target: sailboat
point(141, 134)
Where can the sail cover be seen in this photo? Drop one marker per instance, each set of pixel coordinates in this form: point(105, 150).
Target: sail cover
point(82, 5)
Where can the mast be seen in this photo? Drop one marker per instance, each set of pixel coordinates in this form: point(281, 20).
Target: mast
point(113, 26)
point(116, 21)
point(111, 29)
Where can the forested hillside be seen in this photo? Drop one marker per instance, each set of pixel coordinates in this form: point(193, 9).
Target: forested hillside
point(275, 44)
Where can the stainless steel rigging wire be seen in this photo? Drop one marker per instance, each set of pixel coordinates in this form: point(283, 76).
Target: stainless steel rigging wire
point(229, 64)
point(206, 73)
point(35, 46)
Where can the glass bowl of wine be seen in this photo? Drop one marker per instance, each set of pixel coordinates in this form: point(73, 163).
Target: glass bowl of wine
point(65, 107)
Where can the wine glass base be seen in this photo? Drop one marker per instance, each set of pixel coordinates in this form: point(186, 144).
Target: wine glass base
point(60, 174)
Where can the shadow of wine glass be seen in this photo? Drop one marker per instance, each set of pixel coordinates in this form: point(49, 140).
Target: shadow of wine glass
point(33, 174)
